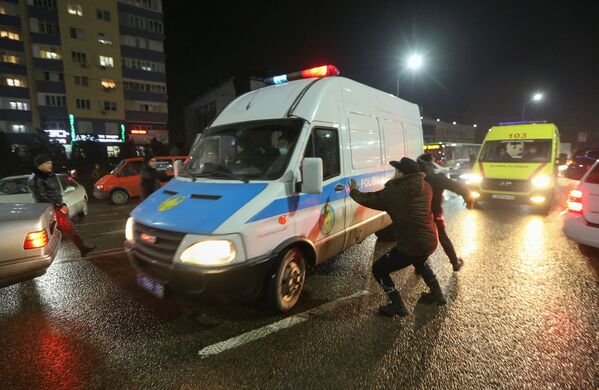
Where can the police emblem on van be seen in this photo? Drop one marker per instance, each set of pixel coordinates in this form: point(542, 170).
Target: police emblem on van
point(327, 219)
point(148, 238)
point(171, 202)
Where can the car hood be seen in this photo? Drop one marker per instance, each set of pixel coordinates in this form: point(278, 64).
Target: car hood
point(195, 207)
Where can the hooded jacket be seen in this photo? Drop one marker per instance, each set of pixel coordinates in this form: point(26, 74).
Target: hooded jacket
point(45, 188)
point(407, 200)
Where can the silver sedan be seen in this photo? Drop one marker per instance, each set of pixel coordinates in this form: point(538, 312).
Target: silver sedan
point(30, 241)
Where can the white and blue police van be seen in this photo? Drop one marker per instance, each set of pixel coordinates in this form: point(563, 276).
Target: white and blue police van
point(265, 191)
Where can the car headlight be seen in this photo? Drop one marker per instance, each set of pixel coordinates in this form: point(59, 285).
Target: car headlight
point(465, 176)
point(210, 253)
point(541, 181)
point(100, 186)
point(474, 179)
point(129, 229)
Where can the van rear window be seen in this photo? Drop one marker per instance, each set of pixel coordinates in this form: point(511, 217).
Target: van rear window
point(521, 151)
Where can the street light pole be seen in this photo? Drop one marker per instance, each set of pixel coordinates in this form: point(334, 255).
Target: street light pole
point(537, 97)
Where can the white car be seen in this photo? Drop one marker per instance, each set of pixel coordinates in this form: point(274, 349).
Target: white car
point(14, 189)
point(581, 219)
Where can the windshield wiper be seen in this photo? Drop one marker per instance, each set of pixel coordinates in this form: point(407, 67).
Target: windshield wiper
point(220, 173)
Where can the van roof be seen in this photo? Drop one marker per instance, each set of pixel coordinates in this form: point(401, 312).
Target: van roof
point(304, 99)
point(531, 130)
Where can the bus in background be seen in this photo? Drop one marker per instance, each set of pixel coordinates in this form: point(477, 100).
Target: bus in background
point(447, 153)
point(518, 162)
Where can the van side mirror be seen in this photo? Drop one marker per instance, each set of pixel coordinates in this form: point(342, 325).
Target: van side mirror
point(177, 167)
point(312, 175)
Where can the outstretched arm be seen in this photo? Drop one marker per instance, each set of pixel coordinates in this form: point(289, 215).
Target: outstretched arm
point(372, 200)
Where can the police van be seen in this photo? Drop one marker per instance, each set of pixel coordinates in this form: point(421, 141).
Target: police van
point(518, 162)
point(265, 192)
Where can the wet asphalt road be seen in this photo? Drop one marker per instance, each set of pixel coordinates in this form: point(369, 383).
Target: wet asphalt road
point(522, 313)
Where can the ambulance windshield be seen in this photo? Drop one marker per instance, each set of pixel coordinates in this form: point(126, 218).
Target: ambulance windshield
point(523, 151)
point(258, 150)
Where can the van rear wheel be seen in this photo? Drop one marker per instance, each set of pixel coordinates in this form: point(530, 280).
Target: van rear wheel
point(119, 197)
point(285, 286)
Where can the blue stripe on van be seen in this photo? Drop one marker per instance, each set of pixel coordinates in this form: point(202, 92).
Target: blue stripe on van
point(298, 202)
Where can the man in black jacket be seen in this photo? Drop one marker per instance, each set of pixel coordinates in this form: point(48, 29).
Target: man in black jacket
point(150, 178)
point(440, 183)
point(44, 186)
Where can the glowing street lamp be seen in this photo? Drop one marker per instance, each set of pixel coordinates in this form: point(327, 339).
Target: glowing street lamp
point(535, 98)
point(414, 62)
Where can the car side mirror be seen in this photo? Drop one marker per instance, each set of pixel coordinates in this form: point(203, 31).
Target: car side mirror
point(312, 175)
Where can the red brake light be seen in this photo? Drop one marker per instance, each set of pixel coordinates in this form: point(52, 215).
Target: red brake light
point(575, 201)
point(36, 240)
point(319, 71)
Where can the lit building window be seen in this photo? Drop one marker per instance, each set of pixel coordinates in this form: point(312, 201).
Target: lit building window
point(107, 62)
point(18, 128)
point(10, 35)
point(108, 84)
point(75, 9)
point(50, 54)
point(104, 39)
point(14, 82)
point(23, 106)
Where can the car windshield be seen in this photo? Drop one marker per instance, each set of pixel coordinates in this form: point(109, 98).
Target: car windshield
point(522, 151)
point(14, 186)
point(258, 150)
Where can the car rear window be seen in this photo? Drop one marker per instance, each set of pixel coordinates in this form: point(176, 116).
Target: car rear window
point(593, 176)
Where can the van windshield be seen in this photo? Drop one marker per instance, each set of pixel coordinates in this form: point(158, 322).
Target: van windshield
point(521, 151)
point(257, 150)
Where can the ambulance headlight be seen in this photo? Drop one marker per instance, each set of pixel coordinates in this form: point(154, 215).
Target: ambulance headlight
point(474, 179)
point(129, 229)
point(541, 181)
point(210, 253)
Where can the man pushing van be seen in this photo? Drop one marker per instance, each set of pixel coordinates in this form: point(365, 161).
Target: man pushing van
point(407, 200)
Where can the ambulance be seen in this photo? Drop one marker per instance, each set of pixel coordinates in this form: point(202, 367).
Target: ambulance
point(518, 162)
point(265, 191)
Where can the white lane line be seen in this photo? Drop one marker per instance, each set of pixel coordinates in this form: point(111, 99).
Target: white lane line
point(288, 322)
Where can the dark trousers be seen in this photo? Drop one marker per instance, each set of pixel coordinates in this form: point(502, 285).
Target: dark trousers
point(393, 261)
point(444, 239)
point(66, 226)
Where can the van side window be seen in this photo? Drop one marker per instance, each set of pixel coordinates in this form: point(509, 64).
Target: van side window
point(131, 169)
point(324, 143)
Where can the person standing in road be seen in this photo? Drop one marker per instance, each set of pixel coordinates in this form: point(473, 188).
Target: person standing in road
point(150, 179)
point(407, 200)
point(44, 186)
point(439, 183)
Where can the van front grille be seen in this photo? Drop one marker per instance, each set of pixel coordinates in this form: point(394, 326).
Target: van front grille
point(156, 244)
point(508, 185)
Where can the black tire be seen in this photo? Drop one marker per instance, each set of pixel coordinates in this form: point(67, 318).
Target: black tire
point(84, 209)
point(286, 284)
point(119, 197)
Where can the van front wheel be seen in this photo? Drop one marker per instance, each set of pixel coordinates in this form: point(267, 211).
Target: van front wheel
point(285, 286)
point(119, 197)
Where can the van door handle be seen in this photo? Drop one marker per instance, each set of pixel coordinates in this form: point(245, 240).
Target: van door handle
point(339, 187)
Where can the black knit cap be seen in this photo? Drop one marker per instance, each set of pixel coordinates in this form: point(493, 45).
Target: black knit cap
point(40, 159)
point(405, 165)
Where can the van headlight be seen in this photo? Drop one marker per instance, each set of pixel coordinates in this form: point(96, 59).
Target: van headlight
point(129, 229)
point(474, 179)
point(210, 253)
point(541, 181)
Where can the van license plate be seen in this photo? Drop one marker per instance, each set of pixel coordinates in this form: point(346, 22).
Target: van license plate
point(505, 197)
point(151, 285)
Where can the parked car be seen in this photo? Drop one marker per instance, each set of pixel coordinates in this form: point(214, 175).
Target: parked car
point(581, 220)
point(581, 162)
point(124, 181)
point(460, 169)
point(14, 189)
point(30, 241)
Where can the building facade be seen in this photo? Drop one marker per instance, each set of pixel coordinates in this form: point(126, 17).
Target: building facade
point(436, 130)
point(83, 70)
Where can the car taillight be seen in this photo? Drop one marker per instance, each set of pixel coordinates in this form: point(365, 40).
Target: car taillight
point(575, 201)
point(36, 240)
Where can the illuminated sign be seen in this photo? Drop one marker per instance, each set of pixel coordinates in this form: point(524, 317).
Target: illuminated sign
point(432, 147)
point(123, 132)
point(72, 125)
point(139, 132)
point(59, 136)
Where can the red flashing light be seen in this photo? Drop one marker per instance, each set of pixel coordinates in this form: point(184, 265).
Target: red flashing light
point(139, 132)
point(36, 240)
point(319, 71)
point(574, 203)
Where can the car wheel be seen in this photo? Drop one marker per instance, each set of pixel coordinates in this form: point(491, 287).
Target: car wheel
point(119, 197)
point(84, 208)
point(285, 286)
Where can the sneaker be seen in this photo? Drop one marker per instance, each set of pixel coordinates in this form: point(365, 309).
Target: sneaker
point(393, 309)
point(457, 265)
point(428, 298)
point(86, 249)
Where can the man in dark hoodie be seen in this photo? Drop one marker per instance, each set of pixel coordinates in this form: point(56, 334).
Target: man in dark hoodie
point(440, 183)
point(150, 178)
point(44, 187)
point(407, 200)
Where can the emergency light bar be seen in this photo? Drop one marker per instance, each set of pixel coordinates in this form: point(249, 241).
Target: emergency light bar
point(320, 71)
point(520, 123)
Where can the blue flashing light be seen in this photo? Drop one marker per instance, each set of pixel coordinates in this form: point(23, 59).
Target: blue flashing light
point(520, 123)
point(279, 79)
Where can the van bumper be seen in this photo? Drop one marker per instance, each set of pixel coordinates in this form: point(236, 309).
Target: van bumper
point(223, 284)
point(514, 197)
point(99, 194)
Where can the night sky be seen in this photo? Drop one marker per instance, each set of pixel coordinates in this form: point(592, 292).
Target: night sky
point(483, 58)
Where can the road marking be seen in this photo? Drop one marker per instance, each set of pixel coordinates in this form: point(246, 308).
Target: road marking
point(285, 323)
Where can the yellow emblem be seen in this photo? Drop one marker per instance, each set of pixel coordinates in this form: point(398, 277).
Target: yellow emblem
point(171, 202)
